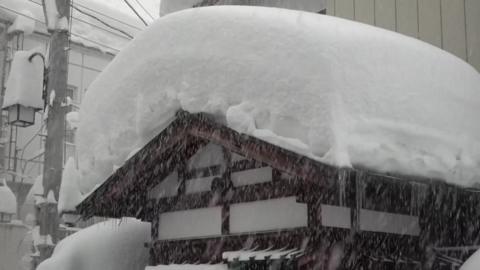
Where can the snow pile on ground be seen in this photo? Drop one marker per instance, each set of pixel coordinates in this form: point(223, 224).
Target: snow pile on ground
point(338, 91)
point(8, 201)
point(25, 81)
point(111, 245)
point(189, 267)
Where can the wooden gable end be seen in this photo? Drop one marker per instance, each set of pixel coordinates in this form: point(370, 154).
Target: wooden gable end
point(124, 193)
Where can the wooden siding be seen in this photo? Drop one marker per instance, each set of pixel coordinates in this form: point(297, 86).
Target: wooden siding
point(449, 24)
point(364, 11)
point(430, 22)
point(472, 15)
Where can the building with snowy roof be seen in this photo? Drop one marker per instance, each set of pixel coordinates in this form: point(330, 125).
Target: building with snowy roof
point(309, 146)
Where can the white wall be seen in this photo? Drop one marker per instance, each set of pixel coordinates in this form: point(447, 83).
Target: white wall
point(453, 25)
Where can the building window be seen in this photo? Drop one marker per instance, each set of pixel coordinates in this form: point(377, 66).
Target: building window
point(5, 218)
point(72, 93)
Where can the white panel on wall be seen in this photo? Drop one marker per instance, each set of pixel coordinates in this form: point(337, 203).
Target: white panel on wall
point(199, 184)
point(407, 17)
point(237, 157)
point(336, 216)
point(331, 7)
point(364, 11)
point(196, 223)
point(375, 221)
point(344, 9)
point(430, 28)
point(211, 154)
point(385, 15)
point(167, 188)
point(268, 215)
point(453, 25)
point(473, 31)
point(251, 177)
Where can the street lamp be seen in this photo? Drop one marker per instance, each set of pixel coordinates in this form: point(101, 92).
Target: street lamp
point(24, 89)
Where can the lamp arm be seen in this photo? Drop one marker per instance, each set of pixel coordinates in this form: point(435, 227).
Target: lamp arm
point(36, 54)
point(45, 76)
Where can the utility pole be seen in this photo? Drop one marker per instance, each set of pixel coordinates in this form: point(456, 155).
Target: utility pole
point(56, 95)
point(3, 74)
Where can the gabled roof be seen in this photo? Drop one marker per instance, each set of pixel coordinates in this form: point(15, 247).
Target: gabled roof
point(175, 144)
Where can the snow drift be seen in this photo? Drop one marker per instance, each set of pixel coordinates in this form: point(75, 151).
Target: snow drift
point(339, 91)
point(110, 245)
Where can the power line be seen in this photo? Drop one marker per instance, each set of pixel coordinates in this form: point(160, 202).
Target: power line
point(39, 21)
point(103, 22)
point(134, 11)
point(96, 26)
point(110, 17)
point(103, 14)
point(144, 9)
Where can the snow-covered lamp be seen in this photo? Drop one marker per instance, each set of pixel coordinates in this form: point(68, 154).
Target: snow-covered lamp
point(8, 203)
point(24, 89)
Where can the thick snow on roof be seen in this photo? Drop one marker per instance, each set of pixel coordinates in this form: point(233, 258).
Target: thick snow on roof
point(8, 201)
point(25, 81)
point(169, 6)
point(110, 245)
point(338, 91)
point(85, 29)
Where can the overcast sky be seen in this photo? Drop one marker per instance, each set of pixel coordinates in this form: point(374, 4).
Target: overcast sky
point(152, 6)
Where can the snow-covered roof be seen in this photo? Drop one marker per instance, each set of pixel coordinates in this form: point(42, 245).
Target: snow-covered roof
point(114, 244)
point(8, 201)
point(85, 29)
point(338, 91)
point(25, 82)
point(169, 6)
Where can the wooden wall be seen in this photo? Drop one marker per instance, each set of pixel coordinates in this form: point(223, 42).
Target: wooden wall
point(453, 25)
